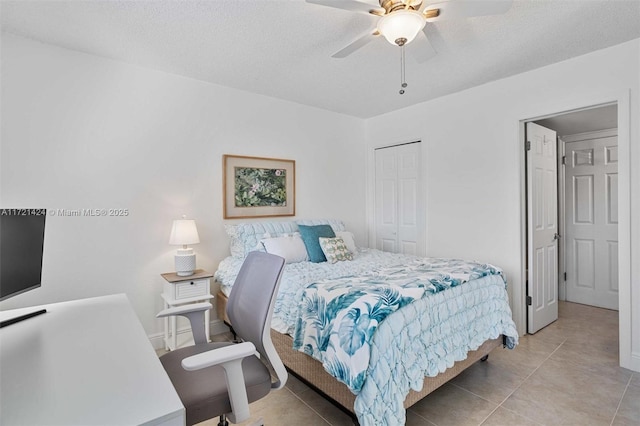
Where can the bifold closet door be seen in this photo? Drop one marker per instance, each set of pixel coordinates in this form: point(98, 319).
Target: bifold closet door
point(398, 198)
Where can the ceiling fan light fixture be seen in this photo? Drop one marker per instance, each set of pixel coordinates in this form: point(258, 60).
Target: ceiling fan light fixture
point(401, 27)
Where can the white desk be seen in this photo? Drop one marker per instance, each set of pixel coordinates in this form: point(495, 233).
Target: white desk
point(84, 362)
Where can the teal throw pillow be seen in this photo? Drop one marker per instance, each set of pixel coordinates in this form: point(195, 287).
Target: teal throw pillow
point(311, 237)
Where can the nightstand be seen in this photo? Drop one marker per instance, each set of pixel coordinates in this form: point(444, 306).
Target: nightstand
point(182, 290)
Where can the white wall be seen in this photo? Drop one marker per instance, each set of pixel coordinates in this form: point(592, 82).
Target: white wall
point(474, 168)
point(79, 131)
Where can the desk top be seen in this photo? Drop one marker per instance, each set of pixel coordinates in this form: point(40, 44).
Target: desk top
point(84, 362)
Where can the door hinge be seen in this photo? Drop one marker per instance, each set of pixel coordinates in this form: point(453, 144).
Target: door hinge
point(564, 160)
point(528, 145)
point(565, 276)
point(529, 301)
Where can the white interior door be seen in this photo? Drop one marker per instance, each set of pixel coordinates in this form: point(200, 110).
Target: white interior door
point(398, 198)
point(591, 199)
point(542, 214)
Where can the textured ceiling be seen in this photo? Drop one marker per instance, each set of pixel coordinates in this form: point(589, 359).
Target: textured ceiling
point(587, 120)
point(283, 48)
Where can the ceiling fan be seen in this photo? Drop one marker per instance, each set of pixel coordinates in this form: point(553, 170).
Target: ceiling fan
point(401, 21)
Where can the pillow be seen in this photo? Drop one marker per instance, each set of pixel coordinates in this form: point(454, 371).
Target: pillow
point(291, 248)
point(310, 236)
point(347, 237)
point(245, 237)
point(335, 249)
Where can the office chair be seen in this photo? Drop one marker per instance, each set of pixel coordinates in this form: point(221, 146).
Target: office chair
point(220, 379)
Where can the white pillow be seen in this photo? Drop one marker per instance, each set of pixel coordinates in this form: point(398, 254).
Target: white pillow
point(291, 248)
point(260, 246)
point(347, 237)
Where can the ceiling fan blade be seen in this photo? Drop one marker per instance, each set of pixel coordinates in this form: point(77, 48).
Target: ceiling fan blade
point(355, 45)
point(465, 9)
point(421, 49)
point(350, 5)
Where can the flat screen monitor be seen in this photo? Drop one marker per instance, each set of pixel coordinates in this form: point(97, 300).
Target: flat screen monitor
point(21, 250)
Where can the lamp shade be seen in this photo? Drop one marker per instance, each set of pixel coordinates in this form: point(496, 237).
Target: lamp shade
point(401, 24)
point(184, 232)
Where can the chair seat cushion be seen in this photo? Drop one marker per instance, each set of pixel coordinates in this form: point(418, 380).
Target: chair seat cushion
point(204, 392)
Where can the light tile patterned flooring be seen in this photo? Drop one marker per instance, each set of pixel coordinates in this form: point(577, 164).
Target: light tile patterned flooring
point(566, 374)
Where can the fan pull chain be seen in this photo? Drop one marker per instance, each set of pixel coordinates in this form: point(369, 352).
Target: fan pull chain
point(403, 82)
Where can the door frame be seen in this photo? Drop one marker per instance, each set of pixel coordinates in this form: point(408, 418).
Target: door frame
point(561, 106)
point(562, 246)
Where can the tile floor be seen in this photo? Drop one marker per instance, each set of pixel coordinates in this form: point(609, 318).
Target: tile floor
point(566, 374)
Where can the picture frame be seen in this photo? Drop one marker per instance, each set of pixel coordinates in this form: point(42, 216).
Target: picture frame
point(258, 187)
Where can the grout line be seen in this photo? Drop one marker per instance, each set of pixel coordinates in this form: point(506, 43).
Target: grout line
point(534, 371)
point(520, 415)
point(474, 394)
point(520, 385)
point(310, 407)
point(484, 399)
point(621, 398)
point(490, 414)
point(422, 417)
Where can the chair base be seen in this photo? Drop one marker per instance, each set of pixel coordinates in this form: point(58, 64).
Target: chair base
point(223, 421)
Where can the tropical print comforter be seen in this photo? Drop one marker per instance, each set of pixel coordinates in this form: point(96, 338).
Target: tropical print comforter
point(297, 276)
point(424, 338)
point(417, 339)
point(339, 317)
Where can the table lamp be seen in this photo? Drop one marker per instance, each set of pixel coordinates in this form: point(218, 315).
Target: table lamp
point(184, 232)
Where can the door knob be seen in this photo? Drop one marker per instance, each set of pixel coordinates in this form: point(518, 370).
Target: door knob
point(556, 236)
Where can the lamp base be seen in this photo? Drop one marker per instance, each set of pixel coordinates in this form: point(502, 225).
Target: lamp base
point(185, 262)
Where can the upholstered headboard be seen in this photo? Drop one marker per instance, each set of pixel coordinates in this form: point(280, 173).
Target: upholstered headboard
point(245, 237)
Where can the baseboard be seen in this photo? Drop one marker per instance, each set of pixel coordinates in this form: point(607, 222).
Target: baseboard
point(635, 362)
point(215, 327)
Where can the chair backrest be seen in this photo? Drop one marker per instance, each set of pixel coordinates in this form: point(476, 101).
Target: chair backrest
point(251, 303)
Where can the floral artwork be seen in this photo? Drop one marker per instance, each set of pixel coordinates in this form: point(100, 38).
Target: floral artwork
point(258, 187)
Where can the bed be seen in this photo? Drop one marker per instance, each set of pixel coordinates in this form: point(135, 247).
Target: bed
point(374, 332)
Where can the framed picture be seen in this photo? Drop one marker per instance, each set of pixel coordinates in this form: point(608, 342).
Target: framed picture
point(258, 187)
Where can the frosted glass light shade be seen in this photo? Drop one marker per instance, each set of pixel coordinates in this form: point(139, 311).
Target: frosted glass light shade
point(184, 232)
point(401, 24)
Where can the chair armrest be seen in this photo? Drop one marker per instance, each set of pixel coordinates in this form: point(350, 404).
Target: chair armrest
point(185, 309)
point(219, 356)
point(230, 359)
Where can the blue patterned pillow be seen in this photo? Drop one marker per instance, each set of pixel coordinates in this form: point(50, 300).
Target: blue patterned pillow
point(311, 237)
point(335, 249)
